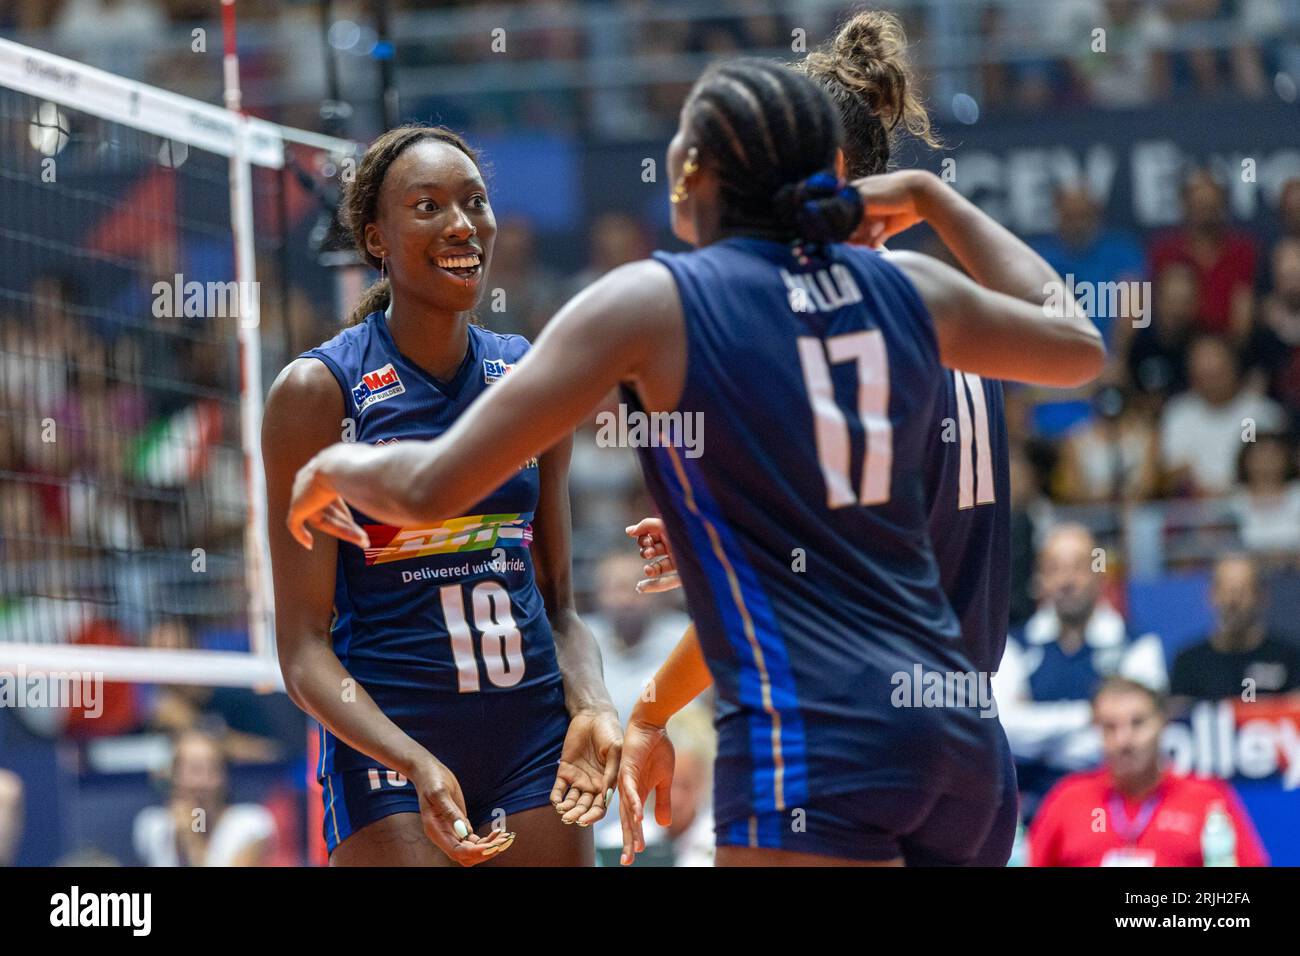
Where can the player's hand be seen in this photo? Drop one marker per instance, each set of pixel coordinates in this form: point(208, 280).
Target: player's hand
point(317, 504)
point(891, 204)
point(446, 824)
point(648, 760)
point(660, 569)
point(584, 783)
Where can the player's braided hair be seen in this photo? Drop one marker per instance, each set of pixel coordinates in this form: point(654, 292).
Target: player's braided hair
point(864, 68)
point(771, 136)
point(361, 198)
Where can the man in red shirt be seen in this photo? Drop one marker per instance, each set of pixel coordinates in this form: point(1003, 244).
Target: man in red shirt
point(1132, 812)
point(1222, 258)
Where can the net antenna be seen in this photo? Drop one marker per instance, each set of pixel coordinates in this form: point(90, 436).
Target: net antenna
point(37, 614)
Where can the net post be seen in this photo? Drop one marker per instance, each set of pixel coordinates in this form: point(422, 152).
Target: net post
point(261, 636)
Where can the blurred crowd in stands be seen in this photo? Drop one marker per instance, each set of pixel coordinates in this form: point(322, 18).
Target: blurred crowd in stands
point(573, 58)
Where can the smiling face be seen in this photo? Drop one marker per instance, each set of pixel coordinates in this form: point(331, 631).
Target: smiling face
point(435, 228)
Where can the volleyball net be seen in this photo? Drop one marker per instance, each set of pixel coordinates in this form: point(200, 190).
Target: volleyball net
point(147, 242)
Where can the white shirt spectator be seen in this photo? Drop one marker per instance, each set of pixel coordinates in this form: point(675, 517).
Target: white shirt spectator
point(1208, 438)
point(1271, 525)
point(629, 669)
point(240, 826)
point(1061, 733)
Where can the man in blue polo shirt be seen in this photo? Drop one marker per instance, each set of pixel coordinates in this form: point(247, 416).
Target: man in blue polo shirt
point(1057, 660)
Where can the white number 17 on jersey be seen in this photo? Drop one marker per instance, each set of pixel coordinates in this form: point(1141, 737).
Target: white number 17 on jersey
point(830, 427)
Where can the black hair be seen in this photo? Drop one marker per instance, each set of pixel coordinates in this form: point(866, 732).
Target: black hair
point(771, 135)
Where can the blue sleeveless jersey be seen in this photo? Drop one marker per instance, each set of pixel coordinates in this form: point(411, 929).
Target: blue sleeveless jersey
point(429, 618)
point(809, 572)
point(969, 482)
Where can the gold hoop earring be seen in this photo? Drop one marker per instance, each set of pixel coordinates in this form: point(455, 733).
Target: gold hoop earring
point(689, 168)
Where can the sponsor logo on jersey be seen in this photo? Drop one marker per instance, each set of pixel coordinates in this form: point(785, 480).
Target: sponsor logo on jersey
point(453, 536)
point(377, 386)
point(495, 369)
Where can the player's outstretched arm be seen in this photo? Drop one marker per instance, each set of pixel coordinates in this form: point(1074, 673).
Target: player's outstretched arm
point(647, 752)
point(588, 770)
point(626, 327)
point(303, 414)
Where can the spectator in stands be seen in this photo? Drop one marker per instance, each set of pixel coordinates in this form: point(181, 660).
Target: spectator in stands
point(1031, 510)
point(1085, 253)
point(1157, 354)
point(1289, 208)
point(1149, 816)
point(250, 726)
point(691, 830)
point(1202, 429)
point(616, 239)
point(531, 292)
point(11, 816)
point(1112, 457)
point(1267, 502)
point(1239, 658)
point(1223, 258)
point(198, 827)
point(1133, 69)
point(1274, 344)
point(635, 631)
point(1053, 664)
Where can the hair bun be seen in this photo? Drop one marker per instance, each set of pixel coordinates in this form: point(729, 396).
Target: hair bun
point(820, 208)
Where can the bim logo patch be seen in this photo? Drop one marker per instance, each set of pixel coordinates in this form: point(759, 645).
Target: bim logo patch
point(494, 369)
point(376, 386)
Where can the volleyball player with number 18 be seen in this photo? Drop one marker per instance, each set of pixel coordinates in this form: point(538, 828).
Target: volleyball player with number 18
point(458, 692)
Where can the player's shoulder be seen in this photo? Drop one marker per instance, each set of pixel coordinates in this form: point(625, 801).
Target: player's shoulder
point(346, 338)
point(507, 346)
point(306, 377)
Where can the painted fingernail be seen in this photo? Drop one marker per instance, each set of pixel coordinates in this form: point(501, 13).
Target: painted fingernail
point(461, 829)
point(609, 795)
